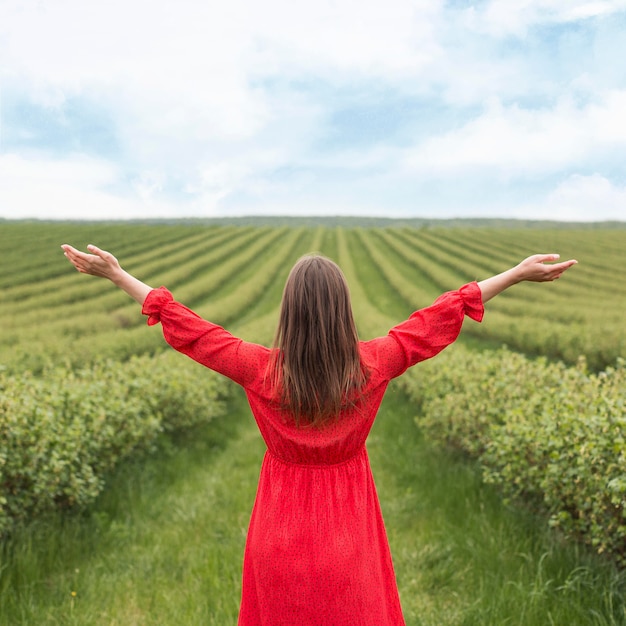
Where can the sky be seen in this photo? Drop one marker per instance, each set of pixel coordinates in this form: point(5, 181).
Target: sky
point(140, 109)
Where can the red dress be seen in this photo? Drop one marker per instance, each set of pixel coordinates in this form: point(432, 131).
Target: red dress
point(317, 552)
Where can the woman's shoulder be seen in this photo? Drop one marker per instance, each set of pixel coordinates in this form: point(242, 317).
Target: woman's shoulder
point(382, 355)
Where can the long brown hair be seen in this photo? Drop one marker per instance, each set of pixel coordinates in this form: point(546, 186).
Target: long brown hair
point(316, 366)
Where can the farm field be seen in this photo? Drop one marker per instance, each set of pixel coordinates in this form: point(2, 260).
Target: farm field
point(221, 271)
point(53, 318)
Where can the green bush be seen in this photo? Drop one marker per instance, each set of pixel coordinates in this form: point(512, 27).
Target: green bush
point(62, 432)
point(542, 431)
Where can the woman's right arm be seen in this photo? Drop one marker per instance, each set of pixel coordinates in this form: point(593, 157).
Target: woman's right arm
point(100, 263)
point(534, 269)
point(429, 330)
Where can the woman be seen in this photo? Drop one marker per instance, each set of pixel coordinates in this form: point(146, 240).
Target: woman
point(316, 551)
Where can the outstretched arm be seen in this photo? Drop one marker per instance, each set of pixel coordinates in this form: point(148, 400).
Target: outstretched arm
point(533, 269)
point(100, 263)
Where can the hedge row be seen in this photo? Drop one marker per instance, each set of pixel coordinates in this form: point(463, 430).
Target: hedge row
point(542, 431)
point(61, 433)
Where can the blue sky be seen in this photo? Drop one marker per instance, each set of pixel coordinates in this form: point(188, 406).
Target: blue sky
point(407, 108)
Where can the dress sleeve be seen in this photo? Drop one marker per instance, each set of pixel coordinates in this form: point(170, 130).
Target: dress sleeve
point(201, 340)
point(427, 331)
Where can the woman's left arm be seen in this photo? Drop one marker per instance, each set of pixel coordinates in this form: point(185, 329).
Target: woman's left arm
point(199, 339)
point(101, 263)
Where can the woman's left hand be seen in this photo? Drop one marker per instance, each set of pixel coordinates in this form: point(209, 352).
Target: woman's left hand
point(96, 263)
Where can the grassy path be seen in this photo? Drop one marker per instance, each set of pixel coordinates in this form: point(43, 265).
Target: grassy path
point(165, 544)
point(464, 559)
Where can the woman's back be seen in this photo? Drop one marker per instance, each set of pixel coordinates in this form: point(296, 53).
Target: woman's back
point(316, 551)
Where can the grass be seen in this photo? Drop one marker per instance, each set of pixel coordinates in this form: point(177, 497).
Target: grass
point(164, 544)
point(463, 558)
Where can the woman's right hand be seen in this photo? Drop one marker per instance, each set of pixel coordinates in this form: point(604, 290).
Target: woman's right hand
point(96, 263)
point(540, 268)
point(537, 268)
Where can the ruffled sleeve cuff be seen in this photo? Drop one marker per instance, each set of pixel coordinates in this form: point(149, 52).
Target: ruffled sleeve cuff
point(154, 303)
point(473, 301)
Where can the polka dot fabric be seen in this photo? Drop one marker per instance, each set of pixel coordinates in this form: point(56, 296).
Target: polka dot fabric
point(316, 552)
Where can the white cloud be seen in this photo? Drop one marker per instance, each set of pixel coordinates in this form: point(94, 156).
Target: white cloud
point(201, 72)
point(515, 17)
point(221, 102)
point(585, 198)
point(512, 141)
point(366, 37)
point(74, 188)
point(163, 69)
point(205, 54)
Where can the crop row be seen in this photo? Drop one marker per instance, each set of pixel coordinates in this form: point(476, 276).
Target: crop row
point(220, 294)
point(548, 433)
point(31, 251)
point(69, 316)
point(562, 320)
point(66, 289)
point(60, 434)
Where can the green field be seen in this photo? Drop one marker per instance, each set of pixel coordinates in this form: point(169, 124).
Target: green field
point(162, 543)
point(221, 271)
